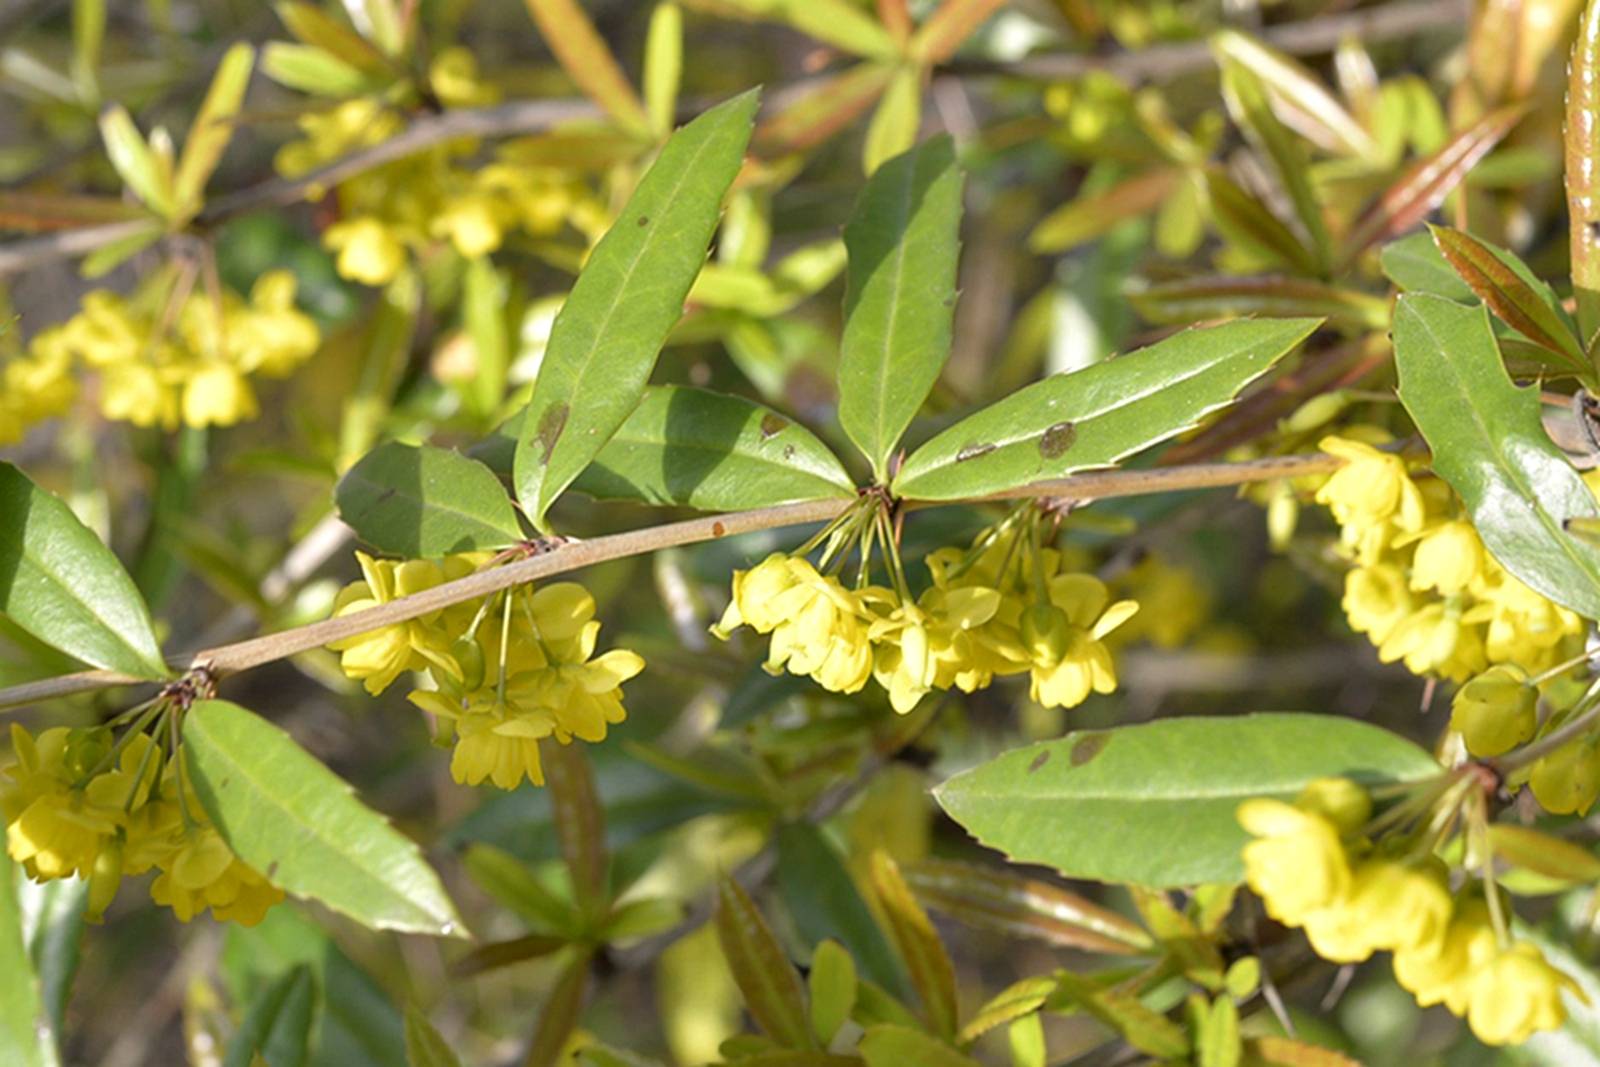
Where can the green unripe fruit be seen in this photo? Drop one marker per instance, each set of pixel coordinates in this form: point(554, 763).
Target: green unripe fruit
point(468, 655)
point(1046, 632)
point(1496, 711)
point(86, 749)
point(1568, 780)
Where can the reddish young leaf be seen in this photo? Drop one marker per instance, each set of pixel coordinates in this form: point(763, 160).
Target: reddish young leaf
point(588, 62)
point(1509, 296)
point(953, 23)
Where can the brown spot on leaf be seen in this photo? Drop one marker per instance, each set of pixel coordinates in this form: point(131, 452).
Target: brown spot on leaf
point(1057, 439)
point(644, 220)
point(717, 529)
point(1088, 747)
point(788, 451)
point(772, 424)
point(1039, 761)
point(272, 869)
point(974, 449)
point(551, 423)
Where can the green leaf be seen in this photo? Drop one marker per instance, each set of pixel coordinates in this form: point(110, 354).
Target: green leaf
point(509, 881)
point(277, 1028)
point(1489, 444)
point(1143, 1028)
point(1096, 416)
point(426, 502)
point(918, 944)
point(903, 243)
point(583, 54)
point(1023, 997)
point(483, 312)
point(356, 1024)
point(663, 65)
point(1246, 222)
point(424, 1046)
point(1188, 300)
point(313, 26)
point(60, 584)
point(893, 129)
point(312, 70)
point(832, 987)
point(580, 823)
point(212, 128)
point(693, 448)
point(1292, 85)
point(25, 1027)
point(772, 991)
point(824, 902)
point(1154, 804)
point(607, 335)
point(135, 163)
point(899, 1046)
point(1087, 217)
point(52, 927)
point(560, 1015)
point(298, 823)
point(1513, 292)
point(1415, 264)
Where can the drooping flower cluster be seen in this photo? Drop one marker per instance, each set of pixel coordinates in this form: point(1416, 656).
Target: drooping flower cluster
point(78, 806)
point(504, 674)
point(435, 195)
point(1313, 869)
point(171, 353)
point(1423, 588)
point(1003, 607)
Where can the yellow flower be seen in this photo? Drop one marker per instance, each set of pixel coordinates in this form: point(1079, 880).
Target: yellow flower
point(924, 646)
point(755, 594)
point(1496, 711)
point(202, 872)
point(1376, 600)
point(1443, 972)
point(453, 77)
point(1523, 627)
point(1069, 658)
point(1296, 865)
point(1371, 488)
point(496, 740)
point(1432, 639)
point(368, 250)
point(1173, 603)
point(474, 223)
point(1341, 801)
point(378, 657)
point(1448, 556)
point(1515, 995)
point(139, 393)
point(217, 395)
point(823, 632)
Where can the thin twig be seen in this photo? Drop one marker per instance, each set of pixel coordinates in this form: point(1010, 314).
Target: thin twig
point(243, 655)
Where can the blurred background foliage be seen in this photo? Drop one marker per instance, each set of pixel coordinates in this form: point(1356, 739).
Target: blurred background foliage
point(1131, 166)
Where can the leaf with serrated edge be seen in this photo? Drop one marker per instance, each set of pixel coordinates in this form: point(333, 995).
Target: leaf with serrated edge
point(693, 448)
point(60, 584)
point(1096, 416)
point(903, 243)
point(1488, 442)
point(295, 821)
point(426, 502)
point(605, 340)
point(1154, 804)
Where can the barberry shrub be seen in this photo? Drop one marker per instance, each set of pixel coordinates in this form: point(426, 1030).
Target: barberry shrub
point(909, 533)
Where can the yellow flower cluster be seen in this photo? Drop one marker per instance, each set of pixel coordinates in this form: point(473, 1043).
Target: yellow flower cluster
point(546, 681)
point(169, 354)
point(74, 807)
point(1002, 608)
point(1313, 869)
point(434, 195)
point(1423, 588)
point(34, 387)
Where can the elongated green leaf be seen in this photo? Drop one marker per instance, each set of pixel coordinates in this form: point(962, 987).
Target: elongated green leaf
point(1021, 998)
point(1522, 301)
point(426, 502)
point(509, 881)
point(893, 128)
point(903, 242)
point(52, 927)
point(277, 1028)
point(424, 1046)
point(608, 333)
point(704, 450)
point(1294, 86)
point(135, 163)
point(832, 988)
point(483, 312)
point(294, 820)
point(823, 899)
point(311, 70)
point(1199, 299)
point(1247, 102)
point(1088, 217)
point(663, 65)
point(25, 1027)
point(356, 1021)
point(212, 128)
point(820, 113)
point(918, 944)
point(1096, 416)
point(59, 583)
point(771, 987)
point(580, 823)
point(1154, 804)
point(560, 1015)
point(1143, 1028)
point(1007, 903)
point(1249, 224)
point(899, 1046)
point(1489, 444)
point(312, 25)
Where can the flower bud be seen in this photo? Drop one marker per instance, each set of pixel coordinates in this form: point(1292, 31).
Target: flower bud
point(1046, 632)
point(86, 749)
point(104, 880)
point(1495, 712)
point(1568, 779)
point(468, 655)
point(1341, 801)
